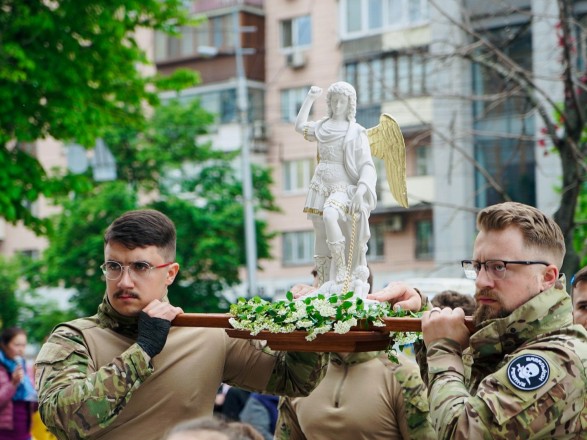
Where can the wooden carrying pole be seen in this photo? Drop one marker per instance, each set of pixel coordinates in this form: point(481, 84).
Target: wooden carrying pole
point(220, 320)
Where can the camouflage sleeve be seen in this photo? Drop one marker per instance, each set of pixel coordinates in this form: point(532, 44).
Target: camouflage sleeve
point(287, 426)
point(499, 408)
point(76, 400)
point(415, 400)
point(297, 373)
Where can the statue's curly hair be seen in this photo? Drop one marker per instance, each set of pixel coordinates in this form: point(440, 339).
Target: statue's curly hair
point(343, 88)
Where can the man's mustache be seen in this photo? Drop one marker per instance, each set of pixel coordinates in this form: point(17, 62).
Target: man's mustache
point(120, 293)
point(486, 294)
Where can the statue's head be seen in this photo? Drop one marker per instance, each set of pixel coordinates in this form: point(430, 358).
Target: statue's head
point(343, 88)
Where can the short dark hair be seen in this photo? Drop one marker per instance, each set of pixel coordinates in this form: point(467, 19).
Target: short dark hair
point(8, 335)
point(141, 228)
point(452, 299)
point(579, 276)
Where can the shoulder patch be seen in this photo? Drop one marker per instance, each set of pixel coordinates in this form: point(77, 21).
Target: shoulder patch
point(528, 372)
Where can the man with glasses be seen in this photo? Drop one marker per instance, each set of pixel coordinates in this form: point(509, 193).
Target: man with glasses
point(125, 374)
point(522, 373)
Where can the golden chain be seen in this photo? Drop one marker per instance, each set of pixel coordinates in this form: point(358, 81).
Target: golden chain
point(349, 264)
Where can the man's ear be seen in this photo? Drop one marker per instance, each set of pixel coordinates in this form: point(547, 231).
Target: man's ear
point(172, 272)
point(550, 276)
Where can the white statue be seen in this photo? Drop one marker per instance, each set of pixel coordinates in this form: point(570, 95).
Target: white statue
point(342, 191)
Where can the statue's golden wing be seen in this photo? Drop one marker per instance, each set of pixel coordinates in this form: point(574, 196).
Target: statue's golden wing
point(387, 143)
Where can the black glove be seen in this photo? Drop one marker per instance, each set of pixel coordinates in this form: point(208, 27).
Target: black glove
point(152, 333)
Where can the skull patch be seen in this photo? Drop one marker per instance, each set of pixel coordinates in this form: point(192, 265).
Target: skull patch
point(528, 372)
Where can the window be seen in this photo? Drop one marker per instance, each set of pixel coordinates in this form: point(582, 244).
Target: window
point(375, 248)
point(297, 174)
point(504, 126)
point(296, 32)
point(363, 17)
point(216, 32)
point(33, 254)
point(222, 104)
point(423, 160)
point(291, 102)
point(424, 240)
point(298, 247)
point(512, 163)
point(381, 79)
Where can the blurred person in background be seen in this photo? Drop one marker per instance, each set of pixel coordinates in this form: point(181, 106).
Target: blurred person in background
point(454, 299)
point(18, 398)
point(234, 400)
point(260, 411)
point(213, 428)
point(579, 286)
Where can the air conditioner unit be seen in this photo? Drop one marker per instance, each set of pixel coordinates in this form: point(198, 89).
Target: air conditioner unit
point(394, 223)
point(259, 130)
point(296, 59)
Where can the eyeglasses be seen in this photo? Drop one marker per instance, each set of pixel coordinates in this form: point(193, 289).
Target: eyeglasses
point(495, 269)
point(113, 270)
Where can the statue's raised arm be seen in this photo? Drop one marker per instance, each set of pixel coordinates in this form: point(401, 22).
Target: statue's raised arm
point(304, 112)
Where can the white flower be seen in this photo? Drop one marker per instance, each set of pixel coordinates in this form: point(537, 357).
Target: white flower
point(343, 327)
point(305, 323)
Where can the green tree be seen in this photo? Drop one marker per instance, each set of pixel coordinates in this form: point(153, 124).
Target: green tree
point(10, 271)
point(68, 70)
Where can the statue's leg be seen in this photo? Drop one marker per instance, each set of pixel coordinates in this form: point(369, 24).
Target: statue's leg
point(335, 237)
point(331, 217)
point(337, 249)
point(322, 263)
point(322, 258)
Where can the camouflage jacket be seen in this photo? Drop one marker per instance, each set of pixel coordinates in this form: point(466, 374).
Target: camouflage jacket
point(362, 396)
point(95, 382)
point(522, 376)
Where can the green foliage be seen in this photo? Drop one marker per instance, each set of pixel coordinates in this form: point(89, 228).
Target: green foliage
point(143, 156)
point(10, 271)
point(68, 70)
point(580, 233)
point(23, 180)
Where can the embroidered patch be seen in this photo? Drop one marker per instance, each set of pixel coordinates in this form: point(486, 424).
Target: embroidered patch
point(528, 372)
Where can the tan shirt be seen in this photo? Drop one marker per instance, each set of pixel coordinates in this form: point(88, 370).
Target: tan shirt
point(358, 399)
point(100, 386)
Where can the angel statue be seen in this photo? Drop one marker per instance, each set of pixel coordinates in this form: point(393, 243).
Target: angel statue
point(342, 193)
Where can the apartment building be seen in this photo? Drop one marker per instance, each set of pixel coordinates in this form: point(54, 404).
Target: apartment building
point(232, 29)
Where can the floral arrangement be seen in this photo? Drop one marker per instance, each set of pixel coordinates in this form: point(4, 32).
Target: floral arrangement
point(316, 315)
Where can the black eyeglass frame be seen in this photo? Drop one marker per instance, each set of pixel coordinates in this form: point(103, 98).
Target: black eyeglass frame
point(477, 266)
